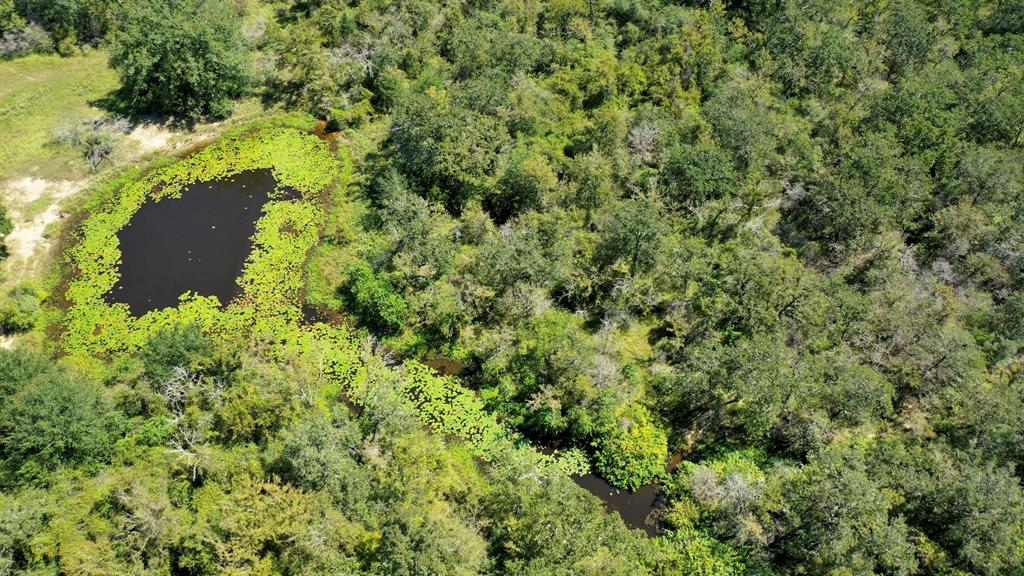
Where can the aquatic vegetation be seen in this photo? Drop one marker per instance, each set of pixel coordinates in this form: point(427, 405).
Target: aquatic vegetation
point(271, 279)
point(269, 307)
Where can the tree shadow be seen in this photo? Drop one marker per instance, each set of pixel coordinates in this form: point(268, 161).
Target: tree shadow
point(112, 103)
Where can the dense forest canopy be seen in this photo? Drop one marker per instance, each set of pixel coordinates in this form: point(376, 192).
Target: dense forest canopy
point(778, 242)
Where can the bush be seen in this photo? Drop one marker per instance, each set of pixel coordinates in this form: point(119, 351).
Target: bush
point(374, 300)
point(182, 346)
point(634, 453)
point(18, 367)
point(95, 139)
point(19, 42)
point(5, 228)
point(55, 420)
point(20, 310)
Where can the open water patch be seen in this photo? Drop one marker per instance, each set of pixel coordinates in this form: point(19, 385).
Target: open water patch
point(637, 509)
point(197, 242)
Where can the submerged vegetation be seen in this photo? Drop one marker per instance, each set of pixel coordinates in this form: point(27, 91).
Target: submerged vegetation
point(765, 256)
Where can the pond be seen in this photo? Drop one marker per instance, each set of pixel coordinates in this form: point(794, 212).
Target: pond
point(636, 508)
point(198, 242)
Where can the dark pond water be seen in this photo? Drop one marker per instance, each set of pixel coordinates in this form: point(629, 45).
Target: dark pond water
point(198, 242)
point(635, 508)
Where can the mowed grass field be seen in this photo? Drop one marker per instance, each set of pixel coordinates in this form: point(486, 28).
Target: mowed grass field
point(38, 95)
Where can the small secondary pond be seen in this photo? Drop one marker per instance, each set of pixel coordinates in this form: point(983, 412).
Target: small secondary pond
point(196, 243)
point(635, 508)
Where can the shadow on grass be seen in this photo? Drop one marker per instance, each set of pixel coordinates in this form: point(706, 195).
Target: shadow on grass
point(115, 105)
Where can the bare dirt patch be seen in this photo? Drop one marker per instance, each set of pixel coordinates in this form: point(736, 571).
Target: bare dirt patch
point(33, 204)
point(150, 137)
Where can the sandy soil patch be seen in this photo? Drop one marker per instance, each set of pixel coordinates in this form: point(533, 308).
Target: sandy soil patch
point(33, 205)
point(150, 137)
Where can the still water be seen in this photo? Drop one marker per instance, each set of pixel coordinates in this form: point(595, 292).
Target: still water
point(198, 242)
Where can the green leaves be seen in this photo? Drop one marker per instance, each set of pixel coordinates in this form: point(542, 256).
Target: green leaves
point(374, 300)
point(173, 62)
point(55, 420)
point(634, 452)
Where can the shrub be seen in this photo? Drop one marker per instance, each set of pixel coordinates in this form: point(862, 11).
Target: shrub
point(19, 42)
point(181, 346)
point(634, 452)
point(375, 300)
point(55, 420)
point(20, 309)
point(5, 228)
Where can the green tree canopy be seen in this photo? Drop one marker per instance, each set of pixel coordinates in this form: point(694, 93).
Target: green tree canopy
point(183, 58)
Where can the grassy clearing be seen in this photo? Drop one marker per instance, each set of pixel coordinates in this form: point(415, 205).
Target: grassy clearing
point(38, 94)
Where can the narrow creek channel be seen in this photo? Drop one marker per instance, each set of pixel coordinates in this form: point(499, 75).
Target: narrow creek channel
point(198, 242)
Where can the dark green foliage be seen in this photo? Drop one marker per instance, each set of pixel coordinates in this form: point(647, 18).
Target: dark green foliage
point(632, 234)
point(182, 346)
point(838, 517)
point(374, 300)
point(18, 367)
point(320, 453)
point(698, 173)
point(69, 22)
point(173, 62)
point(55, 419)
point(447, 151)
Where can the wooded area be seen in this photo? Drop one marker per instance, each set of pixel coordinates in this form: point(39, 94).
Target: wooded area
point(780, 243)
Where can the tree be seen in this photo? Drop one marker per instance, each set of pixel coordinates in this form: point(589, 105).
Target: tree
point(838, 518)
point(319, 453)
point(173, 61)
point(526, 184)
point(448, 152)
point(56, 420)
point(180, 346)
point(18, 367)
point(633, 233)
point(698, 173)
point(541, 528)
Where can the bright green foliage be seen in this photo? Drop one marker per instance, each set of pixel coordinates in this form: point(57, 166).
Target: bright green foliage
point(635, 452)
point(374, 300)
point(732, 497)
point(173, 62)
